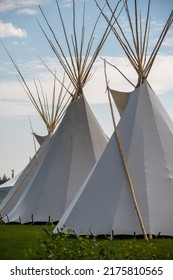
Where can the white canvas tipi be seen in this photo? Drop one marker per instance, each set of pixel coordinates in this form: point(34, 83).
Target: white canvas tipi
point(109, 201)
point(104, 203)
point(69, 157)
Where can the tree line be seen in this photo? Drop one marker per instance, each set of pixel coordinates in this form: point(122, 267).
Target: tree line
point(4, 179)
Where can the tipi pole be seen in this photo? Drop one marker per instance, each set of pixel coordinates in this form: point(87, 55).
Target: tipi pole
point(36, 156)
point(119, 72)
point(127, 172)
point(125, 164)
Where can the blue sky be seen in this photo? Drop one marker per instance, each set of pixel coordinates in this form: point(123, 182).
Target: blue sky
point(23, 37)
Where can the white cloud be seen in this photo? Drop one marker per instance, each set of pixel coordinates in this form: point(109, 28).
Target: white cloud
point(32, 49)
point(11, 108)
point(14, 100)
point(67, 3)
point(168, 42)
point(161, 74)
point(27, 11)
point(8, 5)
point(7, 29)
point(17, 43)
point(11, 92)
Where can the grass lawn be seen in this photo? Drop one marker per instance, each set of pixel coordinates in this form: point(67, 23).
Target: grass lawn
point(17, 240)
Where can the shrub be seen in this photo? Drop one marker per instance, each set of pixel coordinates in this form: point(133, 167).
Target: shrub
point(72, 247)
point(67, 247)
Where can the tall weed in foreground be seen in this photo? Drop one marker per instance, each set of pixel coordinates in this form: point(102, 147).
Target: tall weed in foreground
point(70, 247)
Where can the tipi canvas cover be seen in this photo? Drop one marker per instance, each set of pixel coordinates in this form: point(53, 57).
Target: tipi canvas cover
point(25, 177)
point(68, 158)
point(104, 203)
point(4, 191)
point(5, 187)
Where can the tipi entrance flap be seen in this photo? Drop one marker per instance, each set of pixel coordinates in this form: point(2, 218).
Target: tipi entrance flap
point(120, 99)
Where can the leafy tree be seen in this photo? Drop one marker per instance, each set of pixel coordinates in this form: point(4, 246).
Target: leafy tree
point(4, 179)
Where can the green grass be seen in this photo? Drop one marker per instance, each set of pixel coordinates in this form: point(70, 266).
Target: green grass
point(16, 240)
point(21, 242)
